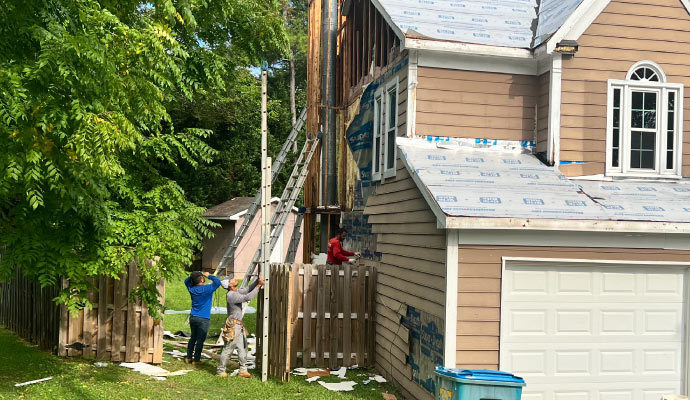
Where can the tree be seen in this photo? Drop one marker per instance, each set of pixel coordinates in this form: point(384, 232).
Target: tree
point(86, 134)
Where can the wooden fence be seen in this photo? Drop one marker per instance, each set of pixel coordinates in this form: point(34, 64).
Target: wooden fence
point(320, 315)
point(116, 328)
point(29, 310)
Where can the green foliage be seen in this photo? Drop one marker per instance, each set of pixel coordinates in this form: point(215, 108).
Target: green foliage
point(86, 134)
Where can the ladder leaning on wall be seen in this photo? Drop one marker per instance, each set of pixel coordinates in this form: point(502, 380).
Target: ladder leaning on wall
point(287, 200)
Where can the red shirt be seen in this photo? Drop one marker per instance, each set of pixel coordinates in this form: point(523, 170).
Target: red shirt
point(336, 254)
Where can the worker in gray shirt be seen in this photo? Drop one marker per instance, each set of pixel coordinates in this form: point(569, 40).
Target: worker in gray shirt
point(234, 333)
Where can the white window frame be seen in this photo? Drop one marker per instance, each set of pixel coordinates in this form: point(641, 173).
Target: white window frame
point(390, 172)
point(376, 176)
point(662, 88)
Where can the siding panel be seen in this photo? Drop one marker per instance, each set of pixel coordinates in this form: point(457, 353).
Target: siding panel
point(624, 33)
point(475, 104)
point(411, 273)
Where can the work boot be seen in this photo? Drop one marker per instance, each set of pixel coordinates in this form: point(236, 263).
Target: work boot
point(187, 360)
point(197, 363)
point(222, 374)
point(244, 374)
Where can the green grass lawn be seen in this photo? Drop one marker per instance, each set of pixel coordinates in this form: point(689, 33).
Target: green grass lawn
point(81, 379)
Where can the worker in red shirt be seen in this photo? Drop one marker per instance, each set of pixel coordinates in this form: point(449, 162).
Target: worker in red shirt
point(336, 254)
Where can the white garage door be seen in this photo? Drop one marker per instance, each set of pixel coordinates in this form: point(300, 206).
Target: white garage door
point(593, 332)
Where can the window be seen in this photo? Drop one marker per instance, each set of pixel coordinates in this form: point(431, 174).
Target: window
point(644, 133)
point(391, 127)
point(385, 130)
point(376, 144)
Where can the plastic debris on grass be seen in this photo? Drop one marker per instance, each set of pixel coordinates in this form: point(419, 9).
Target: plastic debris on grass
point(379, 379)
point(313, 378)
point(340, 373)
point(345, 386)
point(34, 381)
point(153, 371)
point(303, 371)
point(101, 364)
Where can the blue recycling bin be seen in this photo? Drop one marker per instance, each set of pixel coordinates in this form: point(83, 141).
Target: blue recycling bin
point(477, 384)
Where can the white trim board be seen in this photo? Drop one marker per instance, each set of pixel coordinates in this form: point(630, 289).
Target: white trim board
point(575, 239)
point(411, 114)
point(554, 119)
point(473, 62)
point(577, 225)
point(451, 317)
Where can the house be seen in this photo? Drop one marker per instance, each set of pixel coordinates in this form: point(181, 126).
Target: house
point(523, 168)
point(230, 216)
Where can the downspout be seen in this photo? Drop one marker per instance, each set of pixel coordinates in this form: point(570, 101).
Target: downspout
point(329, 191)
point(332, 194)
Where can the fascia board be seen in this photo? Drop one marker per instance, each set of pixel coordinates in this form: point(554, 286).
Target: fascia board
point(473, 62)
point(577, 22)
point(466, 48)
point(441, 218)
point(566, 225)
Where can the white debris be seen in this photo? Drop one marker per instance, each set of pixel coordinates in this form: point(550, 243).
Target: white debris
point(34, 381)
point(303, 371)
point(340, 373)
point(153, 371)
point(101, 364)
point(366, 381)
point(379, 379)
point(346, 386)
point(313, 379)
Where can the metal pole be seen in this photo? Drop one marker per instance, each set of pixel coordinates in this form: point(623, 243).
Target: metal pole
point(265, 220)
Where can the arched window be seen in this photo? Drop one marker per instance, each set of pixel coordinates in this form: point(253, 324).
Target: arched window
point(644, 125)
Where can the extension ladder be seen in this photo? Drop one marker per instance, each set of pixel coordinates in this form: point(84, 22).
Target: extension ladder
point(295, 239)
point(278, 164)
point(287, 202)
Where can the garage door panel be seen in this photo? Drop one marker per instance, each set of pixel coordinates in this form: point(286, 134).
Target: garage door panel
point(599, 332)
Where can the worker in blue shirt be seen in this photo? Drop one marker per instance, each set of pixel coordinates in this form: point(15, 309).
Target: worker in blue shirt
point(200, 316)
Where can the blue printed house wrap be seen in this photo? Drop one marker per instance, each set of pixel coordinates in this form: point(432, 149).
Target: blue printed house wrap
point(508, 23)
point(471, 182)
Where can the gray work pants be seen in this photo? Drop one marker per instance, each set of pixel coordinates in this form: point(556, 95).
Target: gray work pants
point(239, 343)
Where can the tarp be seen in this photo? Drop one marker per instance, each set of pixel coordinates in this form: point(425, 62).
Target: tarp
point(496, 182)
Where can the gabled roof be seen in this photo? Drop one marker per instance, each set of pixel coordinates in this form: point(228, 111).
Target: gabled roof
point(234, 209)
point(506, 23)
point(487, 188)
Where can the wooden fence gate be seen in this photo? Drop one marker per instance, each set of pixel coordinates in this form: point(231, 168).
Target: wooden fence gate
point(319, 315)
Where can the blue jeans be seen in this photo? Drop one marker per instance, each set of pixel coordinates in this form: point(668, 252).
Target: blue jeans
point(199, 327)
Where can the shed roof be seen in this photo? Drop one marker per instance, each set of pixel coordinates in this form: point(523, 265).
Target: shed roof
point(508, 23)
point(229, 208)
point(461, 182)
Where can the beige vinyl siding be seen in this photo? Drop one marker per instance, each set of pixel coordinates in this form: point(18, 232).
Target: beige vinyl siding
point(479, 291)
point(623, 34)
point(541, 144)
point(412, 271)
point(473, 104)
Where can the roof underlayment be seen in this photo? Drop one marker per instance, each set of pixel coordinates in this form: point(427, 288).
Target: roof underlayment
point(499, 183)
point(507, 23)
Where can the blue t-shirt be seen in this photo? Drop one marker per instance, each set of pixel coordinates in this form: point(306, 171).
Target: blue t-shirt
point(202, 296)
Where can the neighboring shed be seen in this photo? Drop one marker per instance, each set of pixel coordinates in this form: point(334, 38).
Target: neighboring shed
point(230, 216)
point(510, 265)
